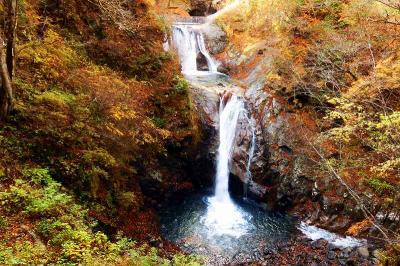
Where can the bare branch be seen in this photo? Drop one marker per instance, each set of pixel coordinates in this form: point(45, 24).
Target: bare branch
point(355, 196)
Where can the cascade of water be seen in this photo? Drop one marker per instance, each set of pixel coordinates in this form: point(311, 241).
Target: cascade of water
point(212, 65)
point(228, 117)
point(223, 216)
point(166, 43)
point(185, 43)
point(189, 42)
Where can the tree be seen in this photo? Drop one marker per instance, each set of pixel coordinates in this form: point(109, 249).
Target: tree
point(7, 56)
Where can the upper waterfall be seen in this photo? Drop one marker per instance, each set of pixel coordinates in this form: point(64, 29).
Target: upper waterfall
point(189, 42)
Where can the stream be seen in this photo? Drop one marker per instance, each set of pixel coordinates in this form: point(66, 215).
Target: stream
point(226, 230)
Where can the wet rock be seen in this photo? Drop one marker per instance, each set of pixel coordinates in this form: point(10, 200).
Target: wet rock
point(315, 215)
point(315, 191)
point(332, 205)
point(332, 247)
point(351, 262)
point(363, 252)
point(319, 243)
point(202, 63)
point(223, 69)
point(155, 242)
point(331, 255)
point(216, 39)
point(346, 252)
point(206, 102)
point(375, 261)
point(375, 253)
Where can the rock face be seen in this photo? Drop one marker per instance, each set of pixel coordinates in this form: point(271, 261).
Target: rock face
point(283, 166)
point(282, 169)
point(216, 39)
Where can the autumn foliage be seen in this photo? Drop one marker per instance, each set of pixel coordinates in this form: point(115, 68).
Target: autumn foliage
point(98, 105)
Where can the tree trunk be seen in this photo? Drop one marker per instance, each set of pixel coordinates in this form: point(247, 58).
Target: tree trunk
point(7, 56)
point(6, 92)
point(10, 33)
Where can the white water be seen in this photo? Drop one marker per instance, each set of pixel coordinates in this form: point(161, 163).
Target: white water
point(223, 217)
point(212, 65)
point(189, 42)
point(228, 117)
point(316, 233)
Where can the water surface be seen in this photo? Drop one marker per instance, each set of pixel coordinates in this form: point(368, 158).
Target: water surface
point(188, 225)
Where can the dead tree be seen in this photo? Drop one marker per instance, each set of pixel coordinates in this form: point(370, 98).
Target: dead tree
point(7, 55)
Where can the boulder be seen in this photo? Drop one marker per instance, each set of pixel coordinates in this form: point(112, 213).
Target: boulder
point(363, 252)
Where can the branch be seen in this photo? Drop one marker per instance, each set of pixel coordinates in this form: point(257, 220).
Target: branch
point(389, 4)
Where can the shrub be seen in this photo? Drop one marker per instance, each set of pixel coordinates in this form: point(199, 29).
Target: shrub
point(380, 186)
point(129, 200)
point(159, 122)
point(57, 99)
point(181, 86)
point(3, 222)
point(99, 157)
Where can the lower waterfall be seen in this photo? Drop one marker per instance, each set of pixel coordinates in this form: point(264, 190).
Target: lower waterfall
point(223, 216)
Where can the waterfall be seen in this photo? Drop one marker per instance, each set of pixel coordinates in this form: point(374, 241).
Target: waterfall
point(166, 43)
point(223, 216)
point(189, 42)
point(212, 66)
point(185, 42)
point(228, 117)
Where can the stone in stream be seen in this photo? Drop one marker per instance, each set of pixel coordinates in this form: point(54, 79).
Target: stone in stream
point(333, 247)
point(331, 255)
point(363, 252)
